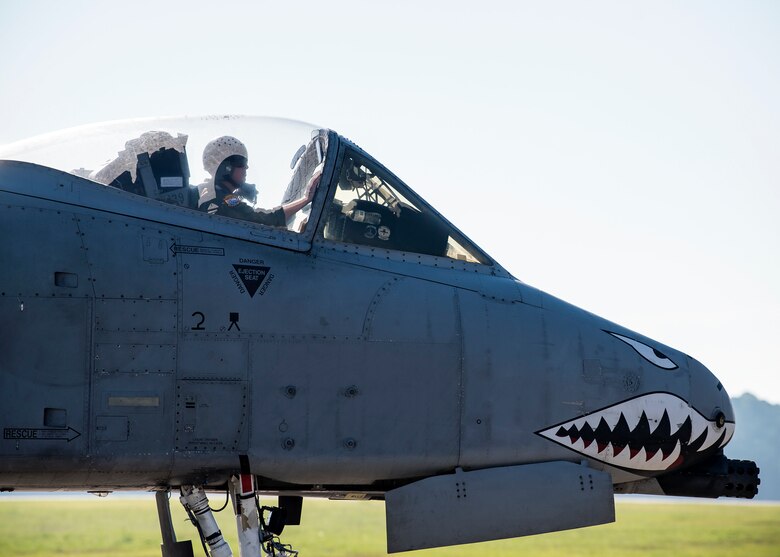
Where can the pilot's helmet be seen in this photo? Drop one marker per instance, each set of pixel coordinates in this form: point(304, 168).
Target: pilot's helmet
point(219, 150)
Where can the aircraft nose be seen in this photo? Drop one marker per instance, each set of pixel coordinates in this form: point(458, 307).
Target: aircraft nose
point(710, 398)
point(725, 405)
point(728, 412)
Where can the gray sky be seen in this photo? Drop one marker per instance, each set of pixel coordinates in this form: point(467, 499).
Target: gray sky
point(623, 157)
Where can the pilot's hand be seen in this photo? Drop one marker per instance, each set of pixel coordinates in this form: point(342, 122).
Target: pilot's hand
point(314, 181)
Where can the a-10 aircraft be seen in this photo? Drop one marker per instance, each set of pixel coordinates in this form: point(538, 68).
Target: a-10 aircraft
point(362, 348)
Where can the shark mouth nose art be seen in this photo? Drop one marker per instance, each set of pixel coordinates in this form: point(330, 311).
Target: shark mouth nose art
point(650, 433)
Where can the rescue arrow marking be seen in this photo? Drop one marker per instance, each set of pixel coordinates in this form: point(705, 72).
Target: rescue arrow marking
point(196, 250)
point(40, 434)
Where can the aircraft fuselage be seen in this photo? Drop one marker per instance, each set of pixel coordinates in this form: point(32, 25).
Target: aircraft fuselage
point(170, 349)
point(366, 350)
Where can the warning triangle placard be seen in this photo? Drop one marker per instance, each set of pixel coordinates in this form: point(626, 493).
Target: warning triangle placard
point(252, 276)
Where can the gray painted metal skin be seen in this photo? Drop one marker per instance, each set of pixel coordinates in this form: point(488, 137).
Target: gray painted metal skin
point(132, 356)
point(548, 497)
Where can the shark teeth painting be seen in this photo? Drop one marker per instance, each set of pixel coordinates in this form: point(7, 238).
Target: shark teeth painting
point(653, 432)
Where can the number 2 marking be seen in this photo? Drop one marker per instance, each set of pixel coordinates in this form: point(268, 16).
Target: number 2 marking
point(199, 325)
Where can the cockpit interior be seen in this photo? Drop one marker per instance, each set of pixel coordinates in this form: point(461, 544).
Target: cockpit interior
point(366, 205)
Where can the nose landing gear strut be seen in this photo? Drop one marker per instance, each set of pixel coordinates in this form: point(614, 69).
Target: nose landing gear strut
point(258, 527)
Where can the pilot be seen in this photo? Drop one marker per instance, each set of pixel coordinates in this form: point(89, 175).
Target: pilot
point(226, 160)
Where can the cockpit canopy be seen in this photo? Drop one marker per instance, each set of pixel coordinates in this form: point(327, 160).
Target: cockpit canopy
point(371, 207)
point(365, 205)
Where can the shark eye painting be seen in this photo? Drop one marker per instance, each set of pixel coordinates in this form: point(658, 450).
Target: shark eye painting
point(648, 353)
